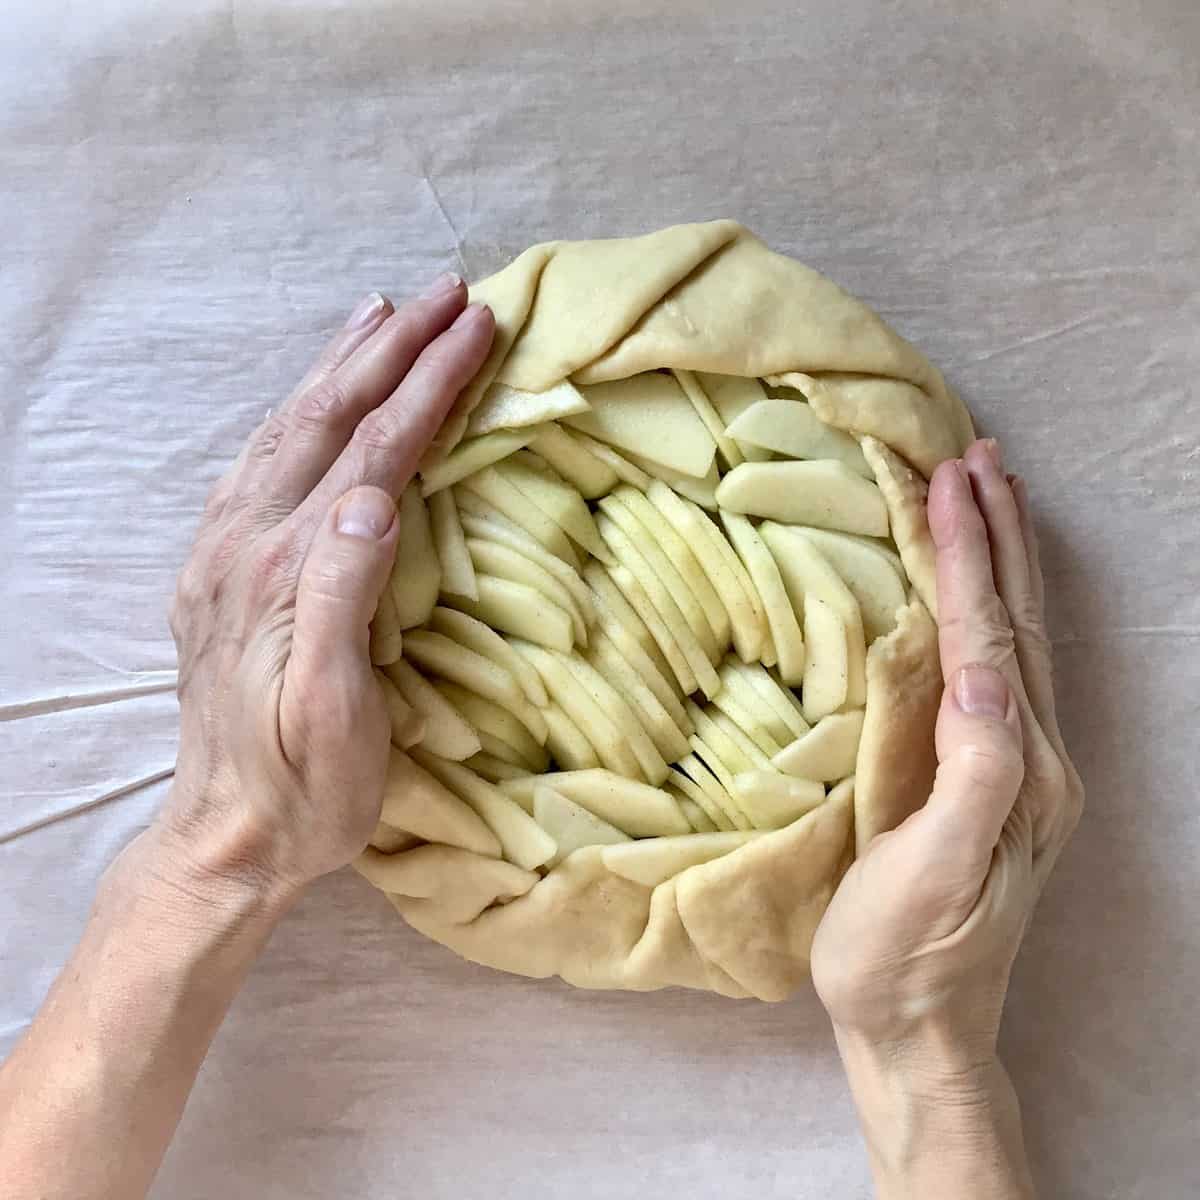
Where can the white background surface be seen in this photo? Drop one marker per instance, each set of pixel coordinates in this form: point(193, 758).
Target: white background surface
point(192, 197)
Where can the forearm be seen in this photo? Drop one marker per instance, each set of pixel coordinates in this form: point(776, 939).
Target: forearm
point(90, 1097)
point(937, 1129)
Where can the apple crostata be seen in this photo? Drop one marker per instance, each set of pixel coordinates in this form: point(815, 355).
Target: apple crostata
point(659, 646)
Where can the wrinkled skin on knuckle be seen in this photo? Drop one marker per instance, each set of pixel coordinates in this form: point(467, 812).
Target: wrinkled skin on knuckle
point(380, 432)
point(986, 633)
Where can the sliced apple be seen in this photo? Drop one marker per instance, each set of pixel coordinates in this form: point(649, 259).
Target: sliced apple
point(827, 752)
point(519, 610)
point(558, 500)
point(746, 744)
point(773, 800)
point(447, 734)
point(408, 726)
point(502, 562)
point(744, 694)
point(389, 840)
point(697, 818)
point(504, 407)
point(611, 702)
point(779, 698)
point(656, 860)
point(387, 638)
point(602, 730)
point(491, 529)
point(701, 491)
point(791, 427)
point(591, 476)
point(612, 607)
point(417, 573)
point(747, 723)
point(571, 825)
point(493, 487)
point(495, 770)
point(665, 571)
point(635, 808)
point(417, 802)
point(823, 493)
point(620, 466)
point(691, 790)
point(731, 395)
point(722, 566)
point(728, 449)
point(727, 749)
point(806, 573)
point(650, 415)
point(826, 674)
point(698, 770)
point(683, 559)
point(522, 840)
point(781, 618)
point(435, 654)
point(669, 739)
point(682, 641)
point(499, 724)
point(458, 576)
point(475, 455)
point(568, 745)
point(873, 579)
point(468, 631)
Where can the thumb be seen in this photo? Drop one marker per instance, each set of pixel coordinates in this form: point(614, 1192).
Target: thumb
point(980, 766)
point(346, 570)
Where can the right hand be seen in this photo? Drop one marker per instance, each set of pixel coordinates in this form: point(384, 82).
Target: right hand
point(916, 947)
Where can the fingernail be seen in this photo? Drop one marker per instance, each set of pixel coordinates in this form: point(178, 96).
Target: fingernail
point(469, 316)
point(367, 312)
point(993, 452)
point(366, 513)
point(446, 282)
point(982, 692)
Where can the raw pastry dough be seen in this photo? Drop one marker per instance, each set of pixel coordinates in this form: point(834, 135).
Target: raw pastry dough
point(694, 304)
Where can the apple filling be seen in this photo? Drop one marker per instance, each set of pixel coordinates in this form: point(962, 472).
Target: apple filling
point(634, 616)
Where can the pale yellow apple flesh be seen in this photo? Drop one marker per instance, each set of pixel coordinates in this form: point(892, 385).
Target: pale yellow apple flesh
point(656, 860)
point(558, 500)
point(621, 467)
point(728, 450)
point(590, 476)
point(467, 458)
point(495, 721)
point(416, 801)
point(567, 743)
point(517, 609)
point(773, 800)
point(458, 575)
point(502, 562)
point(500, 492)
point(446, 734)
point(822, 493)
point(827, 672)
point(417, 574)
point(827, 752)
point(408, 726)
point(570, 825)
point(633, 807)
point(504, 407)
point(791, 428)
point(686, 788)
point(700, 491)
point(612, 607)
point(731, 395)
point(493, 769)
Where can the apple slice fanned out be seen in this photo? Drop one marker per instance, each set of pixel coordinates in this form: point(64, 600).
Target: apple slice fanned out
point(621, 467)
point(502, 562)
point(701, 491)
point(458, 575)
point(417, 802)
point(826, 674)
point(779, 698)
point(447, 734)
point(504, 407)
point(747, 696)
point(475, 455)
point(495, 528)
point(467, 631)
point(417, 574)
point(791, 428)
point(633, 807)
point(726, 447)
point(435, 654)
point(681, 639)
point(570, 825)
point(621, 514)
point(568, 745)
point(517, 609)
point(823, 493)
point(495, 721)
point(807, 573)
point(656, 860)
point(590, 476)
point(495, 770)
point(874, 579)
point(521, 838)
point(686, 787)
point(731, 395)
point(558, 500)
point(827, 752)
point(781, 618)
point(613, 608)
point(408, 726)
point(697, 818)
point(705, 778)
point(569, 694)
point(658, 529)
point(650, 415)
point(505, 496)
point(722, 566)
point(729, 750)
point(773, 800)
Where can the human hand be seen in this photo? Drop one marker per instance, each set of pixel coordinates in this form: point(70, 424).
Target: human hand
point(284, 732)
point(912, 958)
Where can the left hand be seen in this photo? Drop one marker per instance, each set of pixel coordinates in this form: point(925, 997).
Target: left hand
point(284, 733)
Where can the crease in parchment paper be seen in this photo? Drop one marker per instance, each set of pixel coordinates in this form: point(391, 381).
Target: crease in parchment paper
point(66, 701)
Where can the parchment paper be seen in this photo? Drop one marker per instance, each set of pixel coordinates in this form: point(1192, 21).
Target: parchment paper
point(192, 196)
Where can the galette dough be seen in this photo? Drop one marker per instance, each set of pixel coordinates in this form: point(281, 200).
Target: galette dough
point(708, 297)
